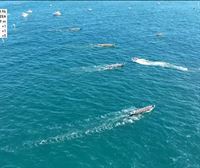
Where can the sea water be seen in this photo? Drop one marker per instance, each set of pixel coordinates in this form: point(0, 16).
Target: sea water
point(59, 105)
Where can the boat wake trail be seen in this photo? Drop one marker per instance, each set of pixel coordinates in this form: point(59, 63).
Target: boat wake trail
point(158, 63)
point(92, 126)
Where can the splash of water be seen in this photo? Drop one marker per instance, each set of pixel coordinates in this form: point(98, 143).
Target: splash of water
point(159, 63)
point(105, 122)
point(90, 127)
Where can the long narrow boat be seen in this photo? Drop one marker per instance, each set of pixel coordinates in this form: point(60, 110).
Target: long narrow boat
point(146, 109)
point(113, 66)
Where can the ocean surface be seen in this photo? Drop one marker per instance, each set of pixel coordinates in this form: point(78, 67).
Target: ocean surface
point(60, 106)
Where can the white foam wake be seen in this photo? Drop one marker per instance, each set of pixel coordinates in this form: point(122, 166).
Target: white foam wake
point(159, 63)
point(103, 123)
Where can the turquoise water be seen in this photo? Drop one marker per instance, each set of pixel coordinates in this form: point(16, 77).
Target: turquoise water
point(60, 106)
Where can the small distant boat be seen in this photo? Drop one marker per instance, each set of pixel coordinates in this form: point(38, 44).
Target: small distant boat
point(74, 29)
point(89, 9)
point(105, 45)
point(146, 109)
point(113, 66)
point(57, 13)
point(29, 11)
point(159, 34)
point(24, 14)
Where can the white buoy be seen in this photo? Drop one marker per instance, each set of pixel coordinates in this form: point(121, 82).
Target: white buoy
point(57, 13)
point(24, 14)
